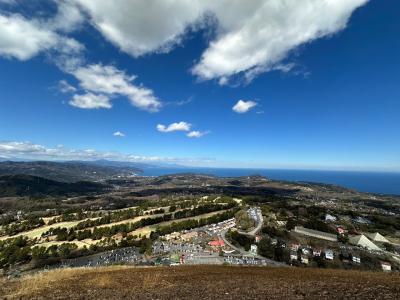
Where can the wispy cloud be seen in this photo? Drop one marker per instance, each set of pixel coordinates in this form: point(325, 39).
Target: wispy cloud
point(119, 134)
point(108, 82)
point(65, 87)
point(90, 101)
point(28, 150)
point(181, 126)
point(196, 134)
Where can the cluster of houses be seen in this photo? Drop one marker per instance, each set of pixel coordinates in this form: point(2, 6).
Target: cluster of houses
point(219, 227)
point(202, 235)
point(304, 253)
point(367, 241)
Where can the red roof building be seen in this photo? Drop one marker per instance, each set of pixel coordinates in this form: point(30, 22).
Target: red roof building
point(218, 243)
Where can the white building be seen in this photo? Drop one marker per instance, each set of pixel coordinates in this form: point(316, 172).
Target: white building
point(253, 249)
point(304, 259)
point(329, 254)
point(316, 252)
point(356, 259)
point(293, 255)
point(330, 218)
point(386, 267)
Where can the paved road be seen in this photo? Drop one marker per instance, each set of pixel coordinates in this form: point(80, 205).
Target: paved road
point(243, 252)
point(258, 227)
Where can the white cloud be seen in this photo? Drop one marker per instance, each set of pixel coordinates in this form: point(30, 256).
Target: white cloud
point(65, 87)
point(28, 150)
point(196, 134)
point(119, 134)
point(110, 81)
point(8, 1)
point(243, 106)
point(68, 18)
point(251, 36)
point(90, 101)
point(23, 39)
point(181, 126)
point(255, 37)
point(140, 27)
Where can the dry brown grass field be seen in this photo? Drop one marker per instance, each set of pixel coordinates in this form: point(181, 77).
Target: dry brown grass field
point(202, 282)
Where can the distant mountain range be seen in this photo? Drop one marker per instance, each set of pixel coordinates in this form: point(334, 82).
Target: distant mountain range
point(26, 185)
point(71, 171)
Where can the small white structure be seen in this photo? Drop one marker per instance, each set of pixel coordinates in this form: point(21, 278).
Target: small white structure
point(363, 241)
point(386, 267)
point(304, 259)
point(253, 249)
point(316, 252)
point(330, 218)
point(294, 246)
point(356, 259)
point(329, 254)
point(293, 255)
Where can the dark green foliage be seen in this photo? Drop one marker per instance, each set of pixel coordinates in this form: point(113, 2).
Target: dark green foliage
point(274, 232)
point(65, 171)
point(274, 252)
point(317, 224)
point(25, 185)
point(240, 239)
point(30, 223)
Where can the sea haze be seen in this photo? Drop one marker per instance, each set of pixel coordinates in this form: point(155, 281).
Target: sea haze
point(372, 182)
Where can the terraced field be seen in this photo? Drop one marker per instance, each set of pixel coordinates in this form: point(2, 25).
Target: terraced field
point(202, 282)
point(146, 230)
point(37, 232)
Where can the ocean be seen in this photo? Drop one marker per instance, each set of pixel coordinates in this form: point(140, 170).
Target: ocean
point(372, 182)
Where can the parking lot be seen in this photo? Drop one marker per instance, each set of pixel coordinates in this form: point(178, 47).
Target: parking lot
point(128, 255)
point(167, 247)
point(203, 259)
point(244, 260)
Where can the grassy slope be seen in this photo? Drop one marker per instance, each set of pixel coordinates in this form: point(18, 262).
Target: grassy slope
point(37, 232)
point(202, 282)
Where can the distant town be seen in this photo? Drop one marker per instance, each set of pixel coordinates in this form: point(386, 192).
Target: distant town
point(189, 219)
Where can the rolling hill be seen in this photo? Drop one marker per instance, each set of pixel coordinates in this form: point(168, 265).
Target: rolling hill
point(26, 185)
point(67, 171)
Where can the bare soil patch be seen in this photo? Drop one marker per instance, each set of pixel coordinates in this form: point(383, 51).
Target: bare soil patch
point(202, 282)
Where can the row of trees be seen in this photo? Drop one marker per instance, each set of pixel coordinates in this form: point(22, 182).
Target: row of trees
point(192, 223)
point(28, 224)
point(275, 252)
point(22, 249)
point(203, 209)
point(77, 232)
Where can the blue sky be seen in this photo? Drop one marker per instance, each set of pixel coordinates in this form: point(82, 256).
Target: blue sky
point(320, 91)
